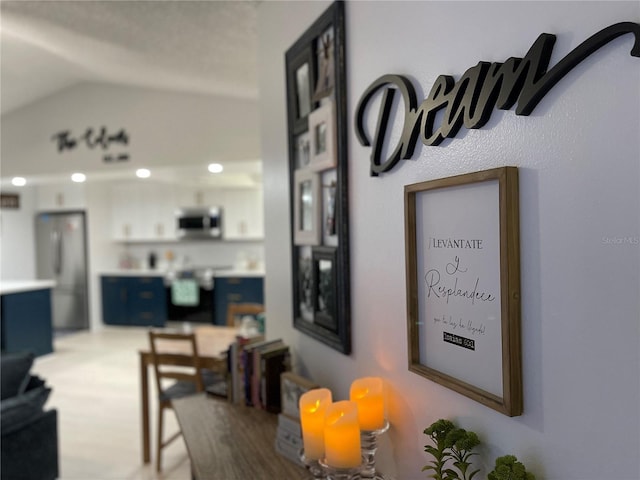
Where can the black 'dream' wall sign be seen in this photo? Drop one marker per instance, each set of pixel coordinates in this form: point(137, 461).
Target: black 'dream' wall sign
point(471, 100)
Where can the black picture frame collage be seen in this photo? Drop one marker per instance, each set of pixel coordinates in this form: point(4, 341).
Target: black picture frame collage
point(316, 108)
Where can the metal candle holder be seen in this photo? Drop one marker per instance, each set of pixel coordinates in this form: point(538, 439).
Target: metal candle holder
point(369, 442)
point(336, 473)
point(313, 466)
point(320, 470)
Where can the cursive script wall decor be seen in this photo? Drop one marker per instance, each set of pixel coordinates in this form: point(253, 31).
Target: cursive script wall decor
point(471, 100)
point(92, 139)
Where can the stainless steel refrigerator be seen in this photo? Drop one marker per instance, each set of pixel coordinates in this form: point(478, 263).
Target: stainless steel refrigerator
point(61, 255)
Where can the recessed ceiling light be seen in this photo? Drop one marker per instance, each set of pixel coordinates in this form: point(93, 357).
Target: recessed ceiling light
point(215, 168)
point(18, 181)
point(143, 173)
point(78, 177)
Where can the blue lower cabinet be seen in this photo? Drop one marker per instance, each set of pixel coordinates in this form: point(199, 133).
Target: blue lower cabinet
point(137, 301)
point(148, 302)
point(26, 323)
point(235, 290)
point(115, 307)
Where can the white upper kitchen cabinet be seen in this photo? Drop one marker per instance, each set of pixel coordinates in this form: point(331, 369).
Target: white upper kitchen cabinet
point(145, 211)
point(158, 208)
point(242, 208)
point(125, 213)
point(142, 212)
point(60, 196)
point(243, 214)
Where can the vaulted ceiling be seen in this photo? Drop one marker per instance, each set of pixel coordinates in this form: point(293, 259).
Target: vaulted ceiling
point(192, 46)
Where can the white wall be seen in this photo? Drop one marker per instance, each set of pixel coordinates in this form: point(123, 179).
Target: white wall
point(165, 128)
point(17, 235)
point(102, 252)
point(579, 161)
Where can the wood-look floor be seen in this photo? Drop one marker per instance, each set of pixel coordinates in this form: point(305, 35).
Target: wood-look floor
point(96, 390)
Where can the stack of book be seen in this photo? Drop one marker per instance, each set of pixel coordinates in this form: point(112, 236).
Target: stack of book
point(289, 438)
point(255, 369)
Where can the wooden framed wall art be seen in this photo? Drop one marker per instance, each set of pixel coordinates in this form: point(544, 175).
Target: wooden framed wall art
point(317, 138)
point(463, 285)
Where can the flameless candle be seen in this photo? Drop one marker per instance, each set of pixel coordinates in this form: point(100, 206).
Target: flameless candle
point(313, 405)
point(342, 435)
point(367, 393)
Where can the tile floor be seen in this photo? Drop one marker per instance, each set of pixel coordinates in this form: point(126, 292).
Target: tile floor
point(96, 391)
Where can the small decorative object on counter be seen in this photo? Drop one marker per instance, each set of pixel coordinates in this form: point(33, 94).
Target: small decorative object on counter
point(152, 260)
point(169, 257)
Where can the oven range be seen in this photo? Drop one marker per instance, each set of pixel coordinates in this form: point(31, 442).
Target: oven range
point(190, 295)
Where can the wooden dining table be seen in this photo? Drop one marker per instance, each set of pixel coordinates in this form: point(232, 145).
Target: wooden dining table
point(213, 343)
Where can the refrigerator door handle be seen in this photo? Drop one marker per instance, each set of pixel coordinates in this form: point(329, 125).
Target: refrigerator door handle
point(56, 244)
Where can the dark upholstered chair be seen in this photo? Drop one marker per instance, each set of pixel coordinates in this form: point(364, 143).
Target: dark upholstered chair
point(29, 434)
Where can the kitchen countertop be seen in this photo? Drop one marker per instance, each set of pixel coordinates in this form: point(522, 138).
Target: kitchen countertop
point(18, 286)
point(144, 272)
point(133, 272)
point(237, 272)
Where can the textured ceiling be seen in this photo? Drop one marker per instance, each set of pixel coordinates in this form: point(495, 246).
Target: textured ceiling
point(195, 46)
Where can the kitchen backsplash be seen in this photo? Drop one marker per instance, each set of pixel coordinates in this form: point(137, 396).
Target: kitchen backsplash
point(237, 255)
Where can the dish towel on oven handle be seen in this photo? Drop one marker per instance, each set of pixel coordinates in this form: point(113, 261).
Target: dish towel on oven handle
point(185, 292)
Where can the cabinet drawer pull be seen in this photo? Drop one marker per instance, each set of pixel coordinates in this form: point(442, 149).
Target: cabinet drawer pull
point(146, 295)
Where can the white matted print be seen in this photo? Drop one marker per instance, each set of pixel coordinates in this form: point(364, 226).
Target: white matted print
point(307, 208)
point(303, 150)
point(292, 388)
point(323, 137)
point(329, 198)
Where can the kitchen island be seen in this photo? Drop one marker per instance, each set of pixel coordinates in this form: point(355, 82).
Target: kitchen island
point(25, 313)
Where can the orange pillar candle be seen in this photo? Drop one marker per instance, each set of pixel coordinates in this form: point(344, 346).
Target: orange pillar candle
point(342, 435)
point(313, 405)
point(367, 393)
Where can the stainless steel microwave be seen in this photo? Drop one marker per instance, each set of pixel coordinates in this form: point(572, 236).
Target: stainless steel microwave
point(199, 222)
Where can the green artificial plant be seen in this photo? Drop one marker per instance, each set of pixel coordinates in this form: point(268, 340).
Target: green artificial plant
point(438, 432)
point(452, 445)
point(461, 444)
point(509, 468)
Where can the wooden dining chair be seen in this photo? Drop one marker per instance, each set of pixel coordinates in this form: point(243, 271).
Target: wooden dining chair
point(235, 310)
point(173, 381)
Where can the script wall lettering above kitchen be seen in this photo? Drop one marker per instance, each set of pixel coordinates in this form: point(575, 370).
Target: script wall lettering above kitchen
point(471, 100)
point(94, 138)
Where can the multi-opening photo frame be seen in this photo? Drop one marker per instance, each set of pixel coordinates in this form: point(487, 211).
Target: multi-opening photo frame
point(318, 171)
point(463, 285)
